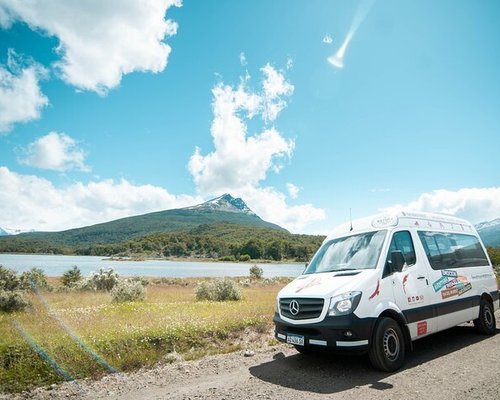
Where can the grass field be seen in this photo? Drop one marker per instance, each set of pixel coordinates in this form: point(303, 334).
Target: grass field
point(86, 335)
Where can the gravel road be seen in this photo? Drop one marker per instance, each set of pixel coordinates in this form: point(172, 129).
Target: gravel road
point(455, 364)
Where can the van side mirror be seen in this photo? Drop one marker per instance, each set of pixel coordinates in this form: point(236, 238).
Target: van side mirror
point(397, 260)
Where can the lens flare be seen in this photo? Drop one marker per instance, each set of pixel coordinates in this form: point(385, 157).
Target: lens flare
point(73, 335)
point(42, 353)
point(337, 59)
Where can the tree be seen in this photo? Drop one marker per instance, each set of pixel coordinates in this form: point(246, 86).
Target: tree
point(71, 277)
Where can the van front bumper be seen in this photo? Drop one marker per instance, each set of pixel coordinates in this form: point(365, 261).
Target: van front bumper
point(347, 333)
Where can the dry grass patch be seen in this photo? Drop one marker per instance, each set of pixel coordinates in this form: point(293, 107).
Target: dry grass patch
point(124, 335)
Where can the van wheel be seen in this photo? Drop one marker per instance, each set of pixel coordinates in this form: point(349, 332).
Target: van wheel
point(302, 349)
point(486, 322)
point(387, 351)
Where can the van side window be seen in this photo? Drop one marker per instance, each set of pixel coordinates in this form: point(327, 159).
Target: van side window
point(402, 241)
point(452, 250)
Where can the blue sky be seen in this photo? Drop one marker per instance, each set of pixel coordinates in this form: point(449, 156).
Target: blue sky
point(103, 105)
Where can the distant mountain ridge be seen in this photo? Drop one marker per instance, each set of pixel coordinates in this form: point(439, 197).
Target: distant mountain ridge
point(9, 231)
point(489, 232)
point(223, 209)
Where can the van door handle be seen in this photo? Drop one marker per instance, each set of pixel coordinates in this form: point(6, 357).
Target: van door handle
point(423, 277)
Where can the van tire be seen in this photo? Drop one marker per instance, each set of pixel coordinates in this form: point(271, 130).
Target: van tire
point(387, 350)
point(486, 323)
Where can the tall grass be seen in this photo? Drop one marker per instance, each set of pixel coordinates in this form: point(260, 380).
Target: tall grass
point(124, 335)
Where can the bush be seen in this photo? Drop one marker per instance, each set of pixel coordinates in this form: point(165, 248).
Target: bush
point(71, 277)
point(244, 257)
point(35, 278)
point(203, 291)
point(143, 281)
point(9, 279)
point(11, 300)
point(256, 272)
point(227, 258)
point(218, 290)
point(128, 290)
point(103, 280)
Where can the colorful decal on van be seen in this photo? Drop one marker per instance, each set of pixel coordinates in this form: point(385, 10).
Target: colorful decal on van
point(415, 299)
point(311, 282)
point(422, 328)
point(449, 272)
point(438, 285)
point(455, 287)
point(405, 281)
point(376, 292)
point(465, 288)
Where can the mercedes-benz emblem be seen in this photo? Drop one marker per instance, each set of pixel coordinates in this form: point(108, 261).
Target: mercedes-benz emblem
point(294, 307)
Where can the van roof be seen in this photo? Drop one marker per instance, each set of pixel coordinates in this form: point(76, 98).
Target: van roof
point(408, 219)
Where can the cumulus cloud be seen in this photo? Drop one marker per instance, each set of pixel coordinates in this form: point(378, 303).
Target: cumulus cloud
point(473, 204)
point(31, 202)
point(99, 41)
point(54, 151)
point(293, 190)
point(241, 162)
point(21, 99)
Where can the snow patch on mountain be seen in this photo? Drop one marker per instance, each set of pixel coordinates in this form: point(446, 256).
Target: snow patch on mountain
point(226, 202)
point(13, 231)
point(488, 224)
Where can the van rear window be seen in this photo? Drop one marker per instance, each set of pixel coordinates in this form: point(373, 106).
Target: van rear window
point(452, 250)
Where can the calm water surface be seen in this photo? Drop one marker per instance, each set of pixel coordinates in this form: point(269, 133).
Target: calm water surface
point(56, 265)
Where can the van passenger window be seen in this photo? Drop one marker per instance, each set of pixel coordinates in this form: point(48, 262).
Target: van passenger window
point(402, 241)
point(452, 250)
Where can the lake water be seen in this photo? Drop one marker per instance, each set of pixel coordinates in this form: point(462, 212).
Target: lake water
point(56, 265)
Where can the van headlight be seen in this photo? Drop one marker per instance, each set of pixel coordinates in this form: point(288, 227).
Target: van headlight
point(344, 303)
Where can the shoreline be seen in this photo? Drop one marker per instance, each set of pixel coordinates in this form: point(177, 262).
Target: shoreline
point(169, 259)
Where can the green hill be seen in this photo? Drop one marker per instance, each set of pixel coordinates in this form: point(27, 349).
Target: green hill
point(221, 227)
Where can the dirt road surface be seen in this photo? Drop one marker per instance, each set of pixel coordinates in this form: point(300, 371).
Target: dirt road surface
point(455, 364)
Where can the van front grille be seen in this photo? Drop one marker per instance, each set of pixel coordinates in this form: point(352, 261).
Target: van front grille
point(307, 308)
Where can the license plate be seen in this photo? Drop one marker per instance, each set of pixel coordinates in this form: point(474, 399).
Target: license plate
point(295, 339)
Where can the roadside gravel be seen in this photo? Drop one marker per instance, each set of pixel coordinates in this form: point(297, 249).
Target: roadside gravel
point(455, 364)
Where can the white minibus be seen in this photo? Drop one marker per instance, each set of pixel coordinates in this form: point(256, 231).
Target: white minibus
point(377, 284)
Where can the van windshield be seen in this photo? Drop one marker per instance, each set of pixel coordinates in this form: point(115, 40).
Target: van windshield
point(360, 251)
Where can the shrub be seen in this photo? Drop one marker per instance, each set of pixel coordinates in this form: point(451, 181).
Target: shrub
point(244, 257)
point(128, 290)
point(227, 258)
point(256, 272)
point(12, 300)
point(218, 290)
point(203, 291)
point(143, 281)
point(35, 278)
point(9, 279)
point(104, 279)
point(71, 277)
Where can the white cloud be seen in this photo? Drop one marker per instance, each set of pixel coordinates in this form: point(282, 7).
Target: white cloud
point(293, 190)
point(240, 162)
point(21, 99)
point(31, 202)
point(55, 151)
point(327, 39)
point(473, 204)
point(276, 88)
point(99, 41)
point(243, 59)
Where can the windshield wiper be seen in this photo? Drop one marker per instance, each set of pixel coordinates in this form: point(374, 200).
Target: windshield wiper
point(341, 269)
